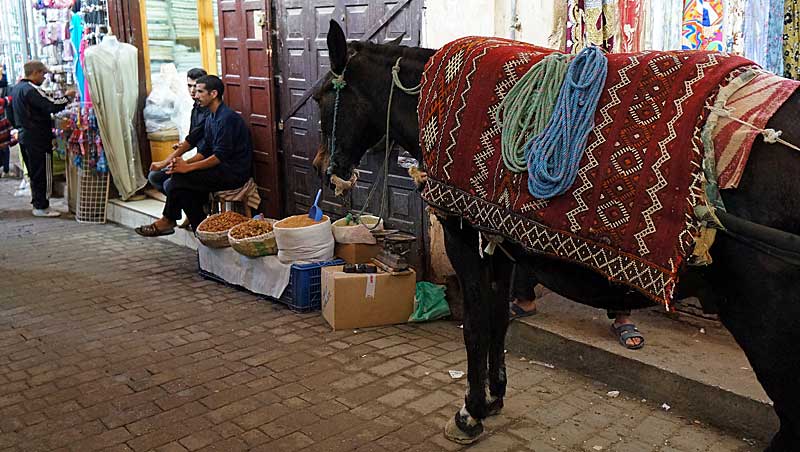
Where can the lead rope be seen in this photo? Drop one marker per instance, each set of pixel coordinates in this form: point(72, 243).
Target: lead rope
point(339, 83)
point(389, 144)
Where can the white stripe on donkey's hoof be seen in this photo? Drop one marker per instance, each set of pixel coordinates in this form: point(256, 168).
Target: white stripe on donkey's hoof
point(463, 428)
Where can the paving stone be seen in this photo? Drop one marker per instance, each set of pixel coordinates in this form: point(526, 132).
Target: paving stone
point(132, 351)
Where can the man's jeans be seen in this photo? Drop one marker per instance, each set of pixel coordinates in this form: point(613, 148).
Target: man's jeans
point(159, 179)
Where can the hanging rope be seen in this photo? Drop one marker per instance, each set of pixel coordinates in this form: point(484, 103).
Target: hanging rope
point(526, 109)
point(554, 155)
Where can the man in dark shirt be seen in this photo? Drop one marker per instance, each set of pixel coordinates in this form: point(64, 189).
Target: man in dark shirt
point(224, 163)
point(32, 108)
point(158, 174)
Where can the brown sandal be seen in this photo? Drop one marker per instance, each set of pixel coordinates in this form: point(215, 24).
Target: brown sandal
point(150, 230)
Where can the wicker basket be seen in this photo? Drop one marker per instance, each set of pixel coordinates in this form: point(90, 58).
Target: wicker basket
point(213, 239)
point(260, 245)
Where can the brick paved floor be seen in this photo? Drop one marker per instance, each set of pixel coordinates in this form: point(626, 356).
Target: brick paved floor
point(109, 341)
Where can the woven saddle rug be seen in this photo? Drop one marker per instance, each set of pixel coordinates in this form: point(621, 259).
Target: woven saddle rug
point(629, 214)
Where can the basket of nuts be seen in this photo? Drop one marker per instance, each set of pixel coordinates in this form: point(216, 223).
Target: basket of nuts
point(254, 238)
point(213, 231)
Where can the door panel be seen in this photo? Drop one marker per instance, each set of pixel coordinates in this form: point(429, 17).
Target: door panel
point(247, 73)
point(302, 27)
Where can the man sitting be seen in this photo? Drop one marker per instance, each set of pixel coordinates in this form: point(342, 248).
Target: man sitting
point(158, 173)
point(224, 163)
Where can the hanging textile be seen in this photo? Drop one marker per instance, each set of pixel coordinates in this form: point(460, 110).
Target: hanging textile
point(558, 35)
point(733, 26)
point(774, 61)
point(663, 26)
point(702, 25)
point(631, 18)
point(76, 32)
point(791, 40)
point(756, 21)
point(591, 22)
point(113, 76)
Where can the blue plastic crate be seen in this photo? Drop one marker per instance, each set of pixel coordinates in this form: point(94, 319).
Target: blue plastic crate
point(304, 292)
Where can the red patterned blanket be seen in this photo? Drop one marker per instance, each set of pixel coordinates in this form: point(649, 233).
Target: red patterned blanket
point(629, 214)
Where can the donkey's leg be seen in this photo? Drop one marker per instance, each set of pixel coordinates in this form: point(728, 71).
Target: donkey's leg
point(501, 268)
point(473, 274)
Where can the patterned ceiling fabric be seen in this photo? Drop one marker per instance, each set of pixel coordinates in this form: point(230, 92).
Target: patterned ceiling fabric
point(592, 22)
point(631, 21)
point(791, 39)
point(629, 215)
point(702, 25)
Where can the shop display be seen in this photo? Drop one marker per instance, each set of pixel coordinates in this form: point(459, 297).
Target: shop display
point(222, 222)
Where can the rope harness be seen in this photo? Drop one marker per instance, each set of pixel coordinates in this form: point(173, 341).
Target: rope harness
point(554, 155)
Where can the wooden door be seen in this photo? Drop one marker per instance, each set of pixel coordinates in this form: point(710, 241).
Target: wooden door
point(302, 27)
point(245, 43)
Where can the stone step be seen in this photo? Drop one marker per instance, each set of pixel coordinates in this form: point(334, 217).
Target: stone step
point(701, 374)
point(132, 214)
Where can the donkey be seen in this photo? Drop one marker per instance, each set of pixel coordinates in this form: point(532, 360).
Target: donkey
point(754, 281)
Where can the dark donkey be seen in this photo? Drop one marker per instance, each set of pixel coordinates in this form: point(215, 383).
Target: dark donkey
point(755, 276)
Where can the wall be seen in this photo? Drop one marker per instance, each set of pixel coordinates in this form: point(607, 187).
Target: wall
point(446, 20)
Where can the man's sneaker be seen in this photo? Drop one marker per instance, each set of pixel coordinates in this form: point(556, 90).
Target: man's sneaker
point(46, 213)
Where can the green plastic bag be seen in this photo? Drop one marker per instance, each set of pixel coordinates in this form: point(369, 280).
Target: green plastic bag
point(429, 303)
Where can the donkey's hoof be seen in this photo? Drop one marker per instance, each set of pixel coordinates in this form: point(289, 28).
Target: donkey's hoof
point(495, 407)
point(467, 435)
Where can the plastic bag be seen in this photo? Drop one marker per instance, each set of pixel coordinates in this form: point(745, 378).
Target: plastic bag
point(429, 303)
point(169, 105)
point(355, 232)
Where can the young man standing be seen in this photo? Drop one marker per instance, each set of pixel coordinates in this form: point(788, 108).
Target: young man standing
point(32, 108)
point(224, 162)
point(158, 173)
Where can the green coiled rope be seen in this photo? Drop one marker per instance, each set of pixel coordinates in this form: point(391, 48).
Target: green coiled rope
point(528, 106)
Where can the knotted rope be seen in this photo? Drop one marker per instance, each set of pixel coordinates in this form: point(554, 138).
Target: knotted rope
point(525, 110)
point(770, 135)
point(554, 155)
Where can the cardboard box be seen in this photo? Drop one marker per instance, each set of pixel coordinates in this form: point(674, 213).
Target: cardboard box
point(357, 300)
point(357, 253)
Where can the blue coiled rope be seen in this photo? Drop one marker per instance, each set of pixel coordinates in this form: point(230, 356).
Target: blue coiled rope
point(554, 155)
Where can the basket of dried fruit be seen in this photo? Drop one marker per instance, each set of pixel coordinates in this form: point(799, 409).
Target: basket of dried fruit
point(213, 231)
point(254, 238)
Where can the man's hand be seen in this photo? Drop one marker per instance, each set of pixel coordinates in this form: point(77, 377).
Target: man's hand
point(70, 93)
point(179, 166)
point(183, 146)
point(158, 166)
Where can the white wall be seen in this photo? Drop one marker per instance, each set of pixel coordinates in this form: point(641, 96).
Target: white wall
point(446, 20)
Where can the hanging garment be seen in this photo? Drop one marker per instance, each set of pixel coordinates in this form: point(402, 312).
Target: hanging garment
point(112, 71)
point(791, 39)
point(591, 22)
point(76, 31)
point(733, 26)
point(774, 60)
point(702, 25)
point(631, 21)
point(756, 21)
point(663, 26)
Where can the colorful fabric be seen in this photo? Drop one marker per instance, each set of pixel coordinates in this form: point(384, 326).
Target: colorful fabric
point(702, 25)
point(631, 24)
point(791, 39)
point(756, 102)
point(591, 22)
point(756, 22)
point(663, 26)
point(6, 140)
point(733, 26)
point(629, 215)
point(774, 58)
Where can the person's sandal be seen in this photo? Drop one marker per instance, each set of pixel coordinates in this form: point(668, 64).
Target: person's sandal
point(150, 230)
point(625, 332)
point(516, 311)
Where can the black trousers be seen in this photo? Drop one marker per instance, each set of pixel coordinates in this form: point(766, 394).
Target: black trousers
point(189, 192)
point(522, 284)
point(38, 160)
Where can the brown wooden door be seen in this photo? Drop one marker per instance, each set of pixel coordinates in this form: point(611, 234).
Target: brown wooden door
point(302, 27)
point(245, 43)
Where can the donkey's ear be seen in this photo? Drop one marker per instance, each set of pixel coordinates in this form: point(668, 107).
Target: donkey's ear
point(396, 41)
point(337, 47)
